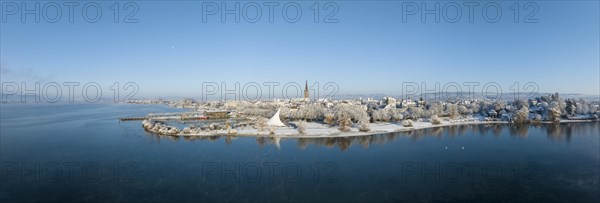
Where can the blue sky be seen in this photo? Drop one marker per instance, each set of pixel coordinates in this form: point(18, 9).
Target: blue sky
point(171, 51)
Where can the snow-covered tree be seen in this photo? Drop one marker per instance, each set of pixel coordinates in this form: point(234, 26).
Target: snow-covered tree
point(583, 107)
point(498, 105)
point(570, 107)
point(463, 110)
point(561, 106)
point(451, 110)
point(387, 114)
point(538, 117)
point(521, 103)
point(381, 115)
point(543, 104)
point(414, 113)
point(435, 108)
point(474, 108)
point(395, 114)
point(310, 112)
point(353, 112)
point(554, 111)
point(522, 115)
point(364, 125)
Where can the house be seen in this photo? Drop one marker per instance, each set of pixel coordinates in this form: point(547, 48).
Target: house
point(533, 102)
point(408, 103)
point(536, 109)
point(492, 114)
point(389, 102)
point(505, 116)
point(193, 116)
point(216, 114)
point(421, 102)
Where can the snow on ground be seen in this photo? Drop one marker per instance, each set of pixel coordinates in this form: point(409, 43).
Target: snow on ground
point(320, 130)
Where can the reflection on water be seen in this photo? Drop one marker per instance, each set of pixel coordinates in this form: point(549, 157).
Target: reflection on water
point(556, 132)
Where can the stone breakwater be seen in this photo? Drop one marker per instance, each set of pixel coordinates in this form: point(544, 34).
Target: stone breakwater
point(159, 127)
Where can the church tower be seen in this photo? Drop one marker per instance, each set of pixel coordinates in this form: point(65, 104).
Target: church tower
point(306, 90)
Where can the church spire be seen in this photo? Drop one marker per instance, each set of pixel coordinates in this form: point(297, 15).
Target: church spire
point(306, 90)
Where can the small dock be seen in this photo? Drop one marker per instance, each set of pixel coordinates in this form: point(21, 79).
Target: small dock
point(151, 117)
point(185, 116)
point(132, 118)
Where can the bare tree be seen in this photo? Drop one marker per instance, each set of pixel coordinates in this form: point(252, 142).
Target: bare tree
point(344, 123)
point(329, 118)
point(407, 123)
point(302, 127)
point(261, 123)
point(435, 120)
point(272, 130)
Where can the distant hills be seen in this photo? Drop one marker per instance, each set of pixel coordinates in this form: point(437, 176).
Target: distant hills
point(30, 98)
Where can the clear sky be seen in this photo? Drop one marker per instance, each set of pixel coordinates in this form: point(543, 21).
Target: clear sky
point(170, 51)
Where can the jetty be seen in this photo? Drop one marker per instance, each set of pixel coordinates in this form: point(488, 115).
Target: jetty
point(171, 116)
point(132, 118)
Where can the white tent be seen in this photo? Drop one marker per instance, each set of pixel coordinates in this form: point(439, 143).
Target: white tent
point(274, 121)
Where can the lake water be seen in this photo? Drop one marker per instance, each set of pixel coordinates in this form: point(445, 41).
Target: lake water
point(81, 152)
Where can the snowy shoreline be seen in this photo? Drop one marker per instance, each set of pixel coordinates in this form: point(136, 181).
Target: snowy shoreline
point(318, 130)
point(358, 117)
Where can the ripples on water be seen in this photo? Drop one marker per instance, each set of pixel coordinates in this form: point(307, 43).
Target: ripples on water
point(81, 152)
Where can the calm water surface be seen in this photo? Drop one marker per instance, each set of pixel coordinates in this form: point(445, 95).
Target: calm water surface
point(81, 152)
